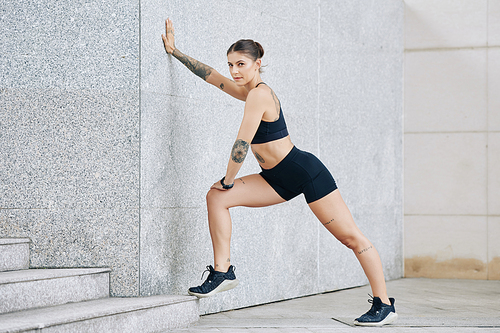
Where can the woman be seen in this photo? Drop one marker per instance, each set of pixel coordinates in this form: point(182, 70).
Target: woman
point(286, 173)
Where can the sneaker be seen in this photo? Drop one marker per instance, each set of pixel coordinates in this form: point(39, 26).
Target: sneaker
point(380, 313)
point(215, 282)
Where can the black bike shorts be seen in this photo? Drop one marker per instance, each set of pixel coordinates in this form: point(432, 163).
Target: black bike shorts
point(300, 172)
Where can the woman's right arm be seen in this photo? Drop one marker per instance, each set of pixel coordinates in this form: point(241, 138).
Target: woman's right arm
point(205, 72)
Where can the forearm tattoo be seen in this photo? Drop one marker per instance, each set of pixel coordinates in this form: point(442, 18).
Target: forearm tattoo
point(193, 65)
point(364, 250)
point(240, 150)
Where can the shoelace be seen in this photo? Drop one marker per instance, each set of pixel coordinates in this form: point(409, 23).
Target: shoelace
point(372, 310)
point(209, 270)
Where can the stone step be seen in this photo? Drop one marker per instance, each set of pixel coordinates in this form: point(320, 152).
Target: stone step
point(138, 314)
point(32, 288)
point(14, 254)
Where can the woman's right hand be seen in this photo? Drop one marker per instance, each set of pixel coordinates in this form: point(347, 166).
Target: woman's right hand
point(169, 37)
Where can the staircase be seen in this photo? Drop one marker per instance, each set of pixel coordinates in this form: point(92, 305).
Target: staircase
point(77, 300)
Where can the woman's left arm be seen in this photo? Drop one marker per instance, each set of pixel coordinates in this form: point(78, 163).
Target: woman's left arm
point(254, 110)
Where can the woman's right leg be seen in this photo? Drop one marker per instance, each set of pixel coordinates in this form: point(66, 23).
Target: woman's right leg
point(248, 191)
point(333, 213)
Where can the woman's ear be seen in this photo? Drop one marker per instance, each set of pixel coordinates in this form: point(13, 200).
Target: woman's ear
point(258, 62)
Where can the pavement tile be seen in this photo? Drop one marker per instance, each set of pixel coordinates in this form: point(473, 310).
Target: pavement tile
point(423, 305)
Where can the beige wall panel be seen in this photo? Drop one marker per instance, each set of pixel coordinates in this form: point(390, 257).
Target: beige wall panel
point(440, 237)
point(445, 23)
point(494, 89)
point(493, 22)
point(446, 246)
point(494, 174)
point(446, 91)
point(494, 248)
point(445, 174)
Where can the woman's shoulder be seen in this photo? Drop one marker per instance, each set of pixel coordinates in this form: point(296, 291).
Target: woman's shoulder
point(262, 91)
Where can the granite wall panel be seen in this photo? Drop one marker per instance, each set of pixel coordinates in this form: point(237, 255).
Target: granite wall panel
point(337, 69)
point(360, 132)
point(69, 134)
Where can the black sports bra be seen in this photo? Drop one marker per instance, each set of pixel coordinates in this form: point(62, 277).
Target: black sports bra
point(270, 131)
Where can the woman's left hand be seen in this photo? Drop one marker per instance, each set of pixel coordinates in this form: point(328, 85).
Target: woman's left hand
point(218, 186)
point(169, 36)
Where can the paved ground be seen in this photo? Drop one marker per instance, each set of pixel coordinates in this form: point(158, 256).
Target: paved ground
point(423, 305)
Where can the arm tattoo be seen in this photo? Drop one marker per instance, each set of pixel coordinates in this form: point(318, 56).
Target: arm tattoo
point(259, 158)
point(240, 150)
point(193, 65)
point(222, 86)
point(364, 250)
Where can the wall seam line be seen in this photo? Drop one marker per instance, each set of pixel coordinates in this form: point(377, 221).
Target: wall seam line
point(140, 154)
point(487, 143)
point(318, 235)
point(456, 48)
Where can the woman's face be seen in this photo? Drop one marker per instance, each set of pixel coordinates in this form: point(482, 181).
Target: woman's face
point(242, 68)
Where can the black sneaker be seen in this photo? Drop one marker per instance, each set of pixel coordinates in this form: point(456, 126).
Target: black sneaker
point(215, 282)
point(380, 313)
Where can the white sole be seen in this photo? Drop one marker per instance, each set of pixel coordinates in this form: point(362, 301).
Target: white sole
point(224, 286)
point(391, 317)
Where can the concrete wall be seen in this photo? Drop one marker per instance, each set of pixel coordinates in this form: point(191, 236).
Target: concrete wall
point(109, 145)
point(452, 139)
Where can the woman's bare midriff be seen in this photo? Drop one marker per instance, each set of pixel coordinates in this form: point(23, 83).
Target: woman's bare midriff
point(269, 154)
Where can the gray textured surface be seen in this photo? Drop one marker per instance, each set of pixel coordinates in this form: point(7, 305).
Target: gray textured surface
point(26, 289)
point(337, 69)
point(81, 238)
point(140, 314)
point(360, 125)
point(14, 254)
point(69, 134)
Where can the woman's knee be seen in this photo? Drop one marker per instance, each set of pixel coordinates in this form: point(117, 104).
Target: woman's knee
point(353, 241)
point(211, 196)
point(214, 198)
point(349, 241)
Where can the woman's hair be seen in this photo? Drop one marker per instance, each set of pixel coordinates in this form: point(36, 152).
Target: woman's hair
point(251, 49)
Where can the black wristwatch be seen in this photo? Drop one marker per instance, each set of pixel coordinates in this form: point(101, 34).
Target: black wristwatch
point(224, 186)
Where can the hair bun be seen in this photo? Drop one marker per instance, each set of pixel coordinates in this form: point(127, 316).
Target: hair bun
point(251, 48)
point(260, 48)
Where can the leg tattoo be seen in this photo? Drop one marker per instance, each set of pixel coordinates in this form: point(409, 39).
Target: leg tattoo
point(328, 222)
point(364, 250)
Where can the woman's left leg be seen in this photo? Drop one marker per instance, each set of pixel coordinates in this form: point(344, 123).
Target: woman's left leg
point(333, 213)
point(248, 191)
